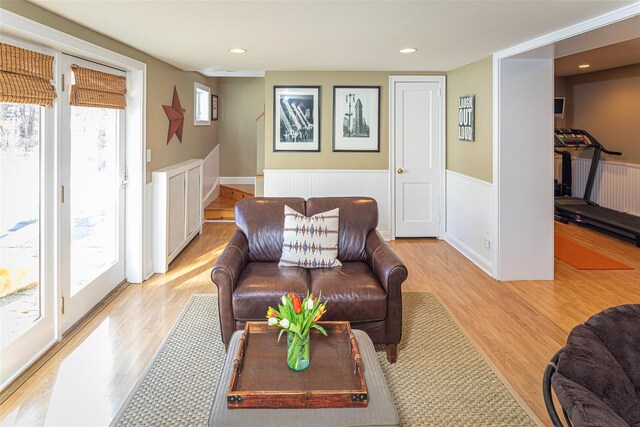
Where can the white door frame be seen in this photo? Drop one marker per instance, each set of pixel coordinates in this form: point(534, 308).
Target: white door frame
point(546, 40)
point(44, 332)
point(94, 290)
point(35, 32)
point(442, 104)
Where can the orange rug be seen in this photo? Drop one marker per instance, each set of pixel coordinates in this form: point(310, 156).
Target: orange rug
point(583, 258)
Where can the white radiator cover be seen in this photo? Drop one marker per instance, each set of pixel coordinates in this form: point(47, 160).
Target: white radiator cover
point(617, 185)
point(469, 218)
point(177, 210)
point(333, 183)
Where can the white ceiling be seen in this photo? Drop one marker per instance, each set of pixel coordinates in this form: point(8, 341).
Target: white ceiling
point(325, 35)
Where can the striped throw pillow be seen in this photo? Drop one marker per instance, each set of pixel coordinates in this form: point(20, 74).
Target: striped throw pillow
point(310, 242)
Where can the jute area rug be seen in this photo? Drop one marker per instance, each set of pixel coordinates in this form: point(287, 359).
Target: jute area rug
point(440, 379)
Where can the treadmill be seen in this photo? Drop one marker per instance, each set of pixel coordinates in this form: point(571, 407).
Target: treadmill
point(583, 210)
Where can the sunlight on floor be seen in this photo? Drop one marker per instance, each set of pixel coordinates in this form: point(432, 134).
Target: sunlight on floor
point(205, 260)
point(80, 389)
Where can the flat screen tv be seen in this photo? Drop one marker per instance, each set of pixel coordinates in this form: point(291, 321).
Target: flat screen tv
point(558, 107)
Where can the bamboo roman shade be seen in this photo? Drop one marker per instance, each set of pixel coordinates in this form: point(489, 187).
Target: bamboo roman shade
point(25, 76)
point(93, 88)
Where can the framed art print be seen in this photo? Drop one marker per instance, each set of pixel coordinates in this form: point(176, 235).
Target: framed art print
point(296, 118)
point(214, 107)
point(356, 118)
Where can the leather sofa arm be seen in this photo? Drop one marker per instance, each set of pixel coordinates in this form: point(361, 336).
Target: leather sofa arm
point(225, 274)
point(386, 265)
point(231, 262)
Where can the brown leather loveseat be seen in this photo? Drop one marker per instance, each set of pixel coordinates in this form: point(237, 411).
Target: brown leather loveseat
point(364, 291)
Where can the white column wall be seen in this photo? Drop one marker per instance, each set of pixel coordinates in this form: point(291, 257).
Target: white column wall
point(525, 168)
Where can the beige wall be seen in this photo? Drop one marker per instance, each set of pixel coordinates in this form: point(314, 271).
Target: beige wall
point(607, 105)
point(197, 141)
point(560, 90)
point(475, 158)
point(241, 101)
point(326, 158)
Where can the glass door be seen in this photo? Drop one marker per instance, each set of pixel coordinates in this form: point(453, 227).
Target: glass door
point(93, 210)
point(27, 244)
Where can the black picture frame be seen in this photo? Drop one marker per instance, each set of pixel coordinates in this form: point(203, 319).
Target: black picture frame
point(339, 142)
point(279, 145)
point(214, 108)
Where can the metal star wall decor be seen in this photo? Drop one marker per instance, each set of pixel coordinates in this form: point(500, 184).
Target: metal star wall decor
point(175, 113)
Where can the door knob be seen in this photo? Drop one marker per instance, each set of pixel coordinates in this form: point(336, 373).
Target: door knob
point(400, 171)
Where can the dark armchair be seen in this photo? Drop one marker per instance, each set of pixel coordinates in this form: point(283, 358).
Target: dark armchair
point(596, 376)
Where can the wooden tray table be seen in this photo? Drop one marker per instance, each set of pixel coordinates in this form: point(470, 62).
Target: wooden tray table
point(261, 377)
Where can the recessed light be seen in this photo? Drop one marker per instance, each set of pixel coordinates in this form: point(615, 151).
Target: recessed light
point(408, 50)
point(237, 50)
point(583, 66)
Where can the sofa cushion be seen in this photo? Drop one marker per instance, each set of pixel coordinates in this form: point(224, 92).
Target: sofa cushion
point(352, 291)
point(261, 219)
point(310, 242)
point(358, 216)
point(262, 284)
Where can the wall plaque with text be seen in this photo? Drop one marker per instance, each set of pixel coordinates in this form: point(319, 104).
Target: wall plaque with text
point(466, 118)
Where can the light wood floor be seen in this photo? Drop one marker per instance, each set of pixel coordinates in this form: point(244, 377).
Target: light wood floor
point(517, 325)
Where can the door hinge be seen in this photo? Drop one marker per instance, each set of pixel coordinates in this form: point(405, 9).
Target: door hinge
point(62, 194)
point(62, 79)
point(62, 306)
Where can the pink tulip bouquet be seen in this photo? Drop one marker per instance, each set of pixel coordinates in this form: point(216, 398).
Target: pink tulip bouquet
point(297, 316)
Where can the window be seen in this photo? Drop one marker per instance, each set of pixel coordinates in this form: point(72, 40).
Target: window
point(20, 280)
point(202, 107)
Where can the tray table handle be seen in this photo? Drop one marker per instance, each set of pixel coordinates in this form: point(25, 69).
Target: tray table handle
point(357, 359)
point(237, 362)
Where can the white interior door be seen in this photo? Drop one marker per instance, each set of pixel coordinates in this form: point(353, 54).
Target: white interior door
point(93, 176)
point(417, 128)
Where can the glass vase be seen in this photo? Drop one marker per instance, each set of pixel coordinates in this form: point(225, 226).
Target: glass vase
point(297, 351)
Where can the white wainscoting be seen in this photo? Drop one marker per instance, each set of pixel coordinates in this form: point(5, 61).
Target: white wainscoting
point(617, 185)
point(210, 173)
point(469, 218)
point(333, 183)
point(148, 230)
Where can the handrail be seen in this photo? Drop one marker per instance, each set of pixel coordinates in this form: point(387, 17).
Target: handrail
point(261, 114)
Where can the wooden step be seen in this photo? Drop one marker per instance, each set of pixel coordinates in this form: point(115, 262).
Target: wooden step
point(220, 208)
point(237, 191)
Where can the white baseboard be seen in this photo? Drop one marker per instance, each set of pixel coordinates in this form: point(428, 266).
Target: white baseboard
point(251, 180)
point(211, 174)
point(149, 270)
point(472, 255)
point(386, 234)
point(212, 195)
point(215, 185)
